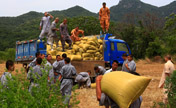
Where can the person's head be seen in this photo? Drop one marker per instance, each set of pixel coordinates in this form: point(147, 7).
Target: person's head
point(104, 4)
point(77, 28)
point(39, 61)
point(167, 57)
point(67, 60)
point(57, 20)
point(49, 57)
point(10, 65)
point(65, 21)
point(46, 13)
point(130, 57)
point(89, 72)
point(124, 56)
point(64, 56)
point(96, 69)
point(115, 65)
point(38, 55)
point(58, 57)
point(42, 56)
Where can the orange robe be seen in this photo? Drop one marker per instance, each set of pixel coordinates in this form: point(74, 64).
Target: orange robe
point(104, 14)
point(75, 35)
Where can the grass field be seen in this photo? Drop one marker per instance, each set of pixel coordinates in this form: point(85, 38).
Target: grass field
point(152, 94)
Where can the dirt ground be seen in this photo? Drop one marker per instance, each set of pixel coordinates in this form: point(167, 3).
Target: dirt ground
point(152, 94)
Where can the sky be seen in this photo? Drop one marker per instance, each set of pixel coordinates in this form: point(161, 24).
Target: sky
point(19, 7)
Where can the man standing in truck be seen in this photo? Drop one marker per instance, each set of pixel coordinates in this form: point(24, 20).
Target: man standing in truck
point(52, 36)
point(65, 37)
point(104, 17)
point(45, 25)
point(75, 34)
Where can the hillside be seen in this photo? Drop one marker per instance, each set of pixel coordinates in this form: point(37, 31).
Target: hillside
point(26, 26)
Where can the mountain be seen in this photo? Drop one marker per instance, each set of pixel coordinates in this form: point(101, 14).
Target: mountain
point(26, 26)
point(168, 9)
point(134, 7)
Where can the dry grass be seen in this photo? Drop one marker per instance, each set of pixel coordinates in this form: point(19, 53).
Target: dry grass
point(152, 94)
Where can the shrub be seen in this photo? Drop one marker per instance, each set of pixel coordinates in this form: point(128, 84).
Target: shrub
point(16, 94)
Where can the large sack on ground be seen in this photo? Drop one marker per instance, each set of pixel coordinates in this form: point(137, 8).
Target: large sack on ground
point(98, 86)
point(93, 85)
point(76, 58)
point(124, 88)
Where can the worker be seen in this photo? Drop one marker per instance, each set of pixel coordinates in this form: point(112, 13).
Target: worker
point(49, 69)
point(42, 56)
point(67, 72)
point(106, 100)
point(52, 36)
point(75, 34)
point(84, 78)
point(130, 65)
point(33, 63)
point(124, 57)
point(104, 17)
point(114, 66)
point(45, 25)
point(99, 70)
point(65, 37)
point(57, 66)
point(167, 72)
point(34, 74)
point(10, 67)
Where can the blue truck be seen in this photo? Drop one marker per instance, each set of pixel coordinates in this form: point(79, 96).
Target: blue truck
point(113, 50)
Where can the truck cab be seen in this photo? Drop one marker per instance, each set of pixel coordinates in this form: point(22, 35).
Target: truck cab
point(114, 49)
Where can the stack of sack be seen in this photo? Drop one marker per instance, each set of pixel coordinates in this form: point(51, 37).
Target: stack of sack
point(89, 48)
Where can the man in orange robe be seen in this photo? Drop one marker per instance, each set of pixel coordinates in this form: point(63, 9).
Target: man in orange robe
point(75, 34)
point(104, 17)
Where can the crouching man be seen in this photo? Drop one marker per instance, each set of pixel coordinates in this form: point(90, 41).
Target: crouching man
point(83, 78)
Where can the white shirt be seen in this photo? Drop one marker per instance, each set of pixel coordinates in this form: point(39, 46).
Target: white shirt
point(45, 23)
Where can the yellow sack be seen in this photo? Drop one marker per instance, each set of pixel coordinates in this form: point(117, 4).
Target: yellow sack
point(101, 58)
point(100, 41)
point(75, 47)
point(53, 53)
point(86, 55)
point(81, 50)
point(54, 57)
point(92, 48)
point(69, 51)
point(92, 58)
point(85, 47)
point(76, 58)
point(81, 45)
point(97, 53)
point(101, 47)
point(91, 51)
point(78, 53)
point(86, 58)
point(84, 38)
point(97, 58)
point(124, 88)
point(91, 43)
point(77, 43)
point(93, 85)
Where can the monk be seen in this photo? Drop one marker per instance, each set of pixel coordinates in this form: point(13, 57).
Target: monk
point(104, 17)
point(75, 34)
